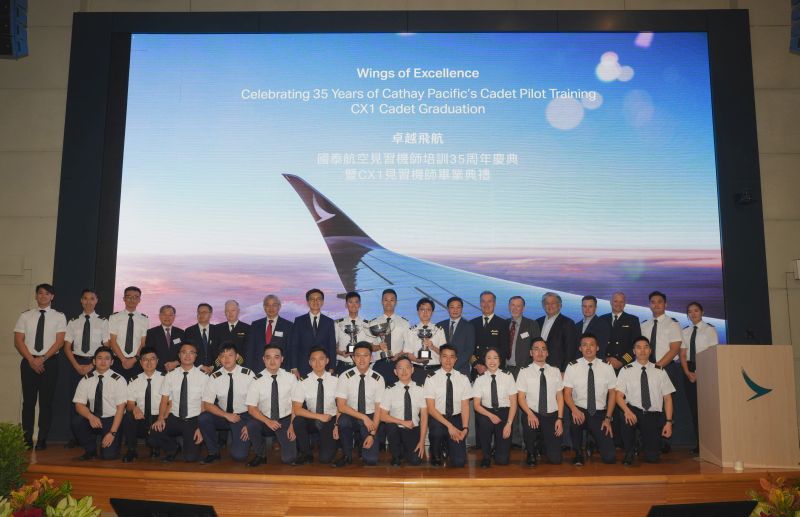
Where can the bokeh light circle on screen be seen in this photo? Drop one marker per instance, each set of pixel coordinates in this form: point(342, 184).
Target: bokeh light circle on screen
point(564, 113)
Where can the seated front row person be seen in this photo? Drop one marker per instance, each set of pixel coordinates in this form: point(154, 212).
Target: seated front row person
point(644, 393)
point(269, 402)
point(314, 407)
point(144, 399)
point(405, 415)
point(447, 394)
point(358, 397)
point(224, 407)
point(100, 403)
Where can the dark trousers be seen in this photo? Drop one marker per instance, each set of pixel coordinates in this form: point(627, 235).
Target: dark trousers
point(258, 430)
point(487, 430)
point(438, 435)
point(691, 397)
point(74, 379)
point(128, 373)
point(134, 429)
point(649, 424)
point(349, 428)
point(385, 367)
point(303, 427)
point(420, 373)
point(42, 387)
point(185, 428)
point(605, 444)
point(88, 435)
point(402, 442)
point(210, 425)
point(674, 373)
point(547, 432)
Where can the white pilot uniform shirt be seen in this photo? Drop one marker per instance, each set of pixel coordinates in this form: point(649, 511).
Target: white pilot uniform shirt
point(528, 381)
point(547, 325)
point(216, 390)
point(118, 326)
point(374, 386)
point(394, 400)
point(54, 322)
point(436, 389)
point(260, 392)
point(668, 332)
point(138, 386)
point(306, 391)
point(576, 377)
point(343, 338)
point(98, 334)
point(398, 327)
point(196, 383)
point(506, 388)
point(706, 338)
point(413, 343)
point(115, 391)
point(629, 384)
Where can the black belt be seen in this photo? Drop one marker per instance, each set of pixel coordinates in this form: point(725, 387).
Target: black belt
point(494, 410)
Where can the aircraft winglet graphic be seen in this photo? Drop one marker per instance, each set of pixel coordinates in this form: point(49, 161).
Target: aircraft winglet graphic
point(759, 391)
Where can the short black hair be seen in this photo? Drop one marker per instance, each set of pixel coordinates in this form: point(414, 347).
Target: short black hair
point(317, 349)
point(423, 301)
point(656, 293)
point(389, 291)
point(103, 349)
point(228, 345)
point(188, 342)
point(538, 339)
point(588, 335)
point(132, 288)
point(491, 349)
point(312, 291)
point(47, 287)
point(494, 296)
point(363, 344)
point(589, 297)
point(88, 290)
point(272, 346)
point(147, 350)
point(640, 338)
point(352, 294)
point(455, 299)
point(447, 346)
point(699, 306)
point(204, 304)
point(402, 358)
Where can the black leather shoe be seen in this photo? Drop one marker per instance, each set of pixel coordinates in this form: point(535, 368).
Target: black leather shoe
point(531, 460)
point(578, 461)
point(41, 445)
point(342, 461)
point(395, 462)
point(628, 459)
point(211, 458)
point(155, 452)
point(258, 460)
point(486, 463)
point(299, 460)
point(86, 456)
point(71, 444)
point(664, 448)
point(28, 443)
point(129, 456)
point(169, 458)
point(436, 462)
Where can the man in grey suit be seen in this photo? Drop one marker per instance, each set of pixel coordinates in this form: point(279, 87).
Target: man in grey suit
point(521, 331)
point(459, 333)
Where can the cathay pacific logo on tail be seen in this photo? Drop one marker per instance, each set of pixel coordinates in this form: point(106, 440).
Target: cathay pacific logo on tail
point(758, 391)
point(322, 214)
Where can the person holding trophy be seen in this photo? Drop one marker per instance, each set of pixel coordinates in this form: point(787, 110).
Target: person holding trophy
point(390, 329)
point(349, 331)
point(423, 341)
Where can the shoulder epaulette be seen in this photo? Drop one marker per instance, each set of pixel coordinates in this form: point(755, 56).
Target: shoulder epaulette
point(376, 376)
point(414, 327)
point(89, 375)
point(628, 365)
point(687, 326)
point(163, 373)
point(246, 371)
point(709, 324)
point(506, 372)
point(627, 357)
point(134, 378)
point(365, 321)
point(101, 318)
point(334, 376)
point(673, 319)
point(115, 376)
point(401, 317)
point(419, 384)
point(216, 374)
point(350, 373)
point(339, 320)
point(573, 362)
point(303, 377)
point(116, 312)
point(392, 385)
point(659, 367)
point(431, 373)
point(258, 376)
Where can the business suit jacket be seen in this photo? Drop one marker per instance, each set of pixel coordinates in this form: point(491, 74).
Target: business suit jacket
point(166, 352)
point(600, 328)
point(205, 355)
point(493, 335)
point(562, 341)
point(463, 340)
point(238, 337)
point(622, 335)
point(303, 340)
point(256, 341)
point(530, 329)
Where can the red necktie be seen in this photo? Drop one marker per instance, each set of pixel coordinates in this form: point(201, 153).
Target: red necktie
point(513, 334)
point(268, 337)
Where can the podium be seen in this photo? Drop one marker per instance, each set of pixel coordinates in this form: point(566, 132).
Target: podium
point(746, 406)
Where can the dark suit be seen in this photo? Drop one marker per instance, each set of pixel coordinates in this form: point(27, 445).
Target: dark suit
point(206, 355)
point(522, 352)
point(463, 340)
point(562, 341)
point(493, 335)
point(303, 339)
point(622, 335)
point(256, 341)
point(166, 352)
point(600, 328)
point(238, 337)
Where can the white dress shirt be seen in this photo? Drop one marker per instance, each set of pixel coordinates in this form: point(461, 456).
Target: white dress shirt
point(216, 390)
point(374, 386)
point(118, 326)
point(576, 377)
point(394, 400)
point(195, 384)
point(506, 388)
point(436, 389)
point(658, 383)
point(547, 325)
point(138, 386)
point(306, 391)
point(54, 322)
point(413, 343)
point(260, 392)
point(528, 381)
point(115, 391)
point(98, 334)
point(343, 338)
point(399, 330)
point(669, 331)
point(706, 337)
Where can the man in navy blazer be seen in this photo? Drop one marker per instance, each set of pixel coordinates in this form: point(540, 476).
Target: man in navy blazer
point(625, 328)
point(167, 351)
point(593, 324)
point(310, 330)
point(204, 336)
point(558, 331)
point(232, 330)
point(269, 330)
point(460, 333)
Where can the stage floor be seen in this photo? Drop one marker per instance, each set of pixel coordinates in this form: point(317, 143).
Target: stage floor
point(275, 489)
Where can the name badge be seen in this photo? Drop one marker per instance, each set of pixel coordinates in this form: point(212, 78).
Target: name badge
point(176, 341)
point(278, 333)
point(494, 332)
point(524, 335)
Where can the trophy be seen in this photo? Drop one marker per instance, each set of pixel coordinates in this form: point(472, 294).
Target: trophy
point(424, 333)
point(352, 331)
point(381, 330)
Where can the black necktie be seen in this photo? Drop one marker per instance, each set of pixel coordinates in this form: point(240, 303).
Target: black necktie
point(495, 401)
point(362, 396)
point(232, 327)
point(97, 410)
point(653, 341)
point(407, 404)
point(315, 326)
point(452, 329)
point(448, 399)
point(591, 403)
point(129, 335)
point(148, 404)
point(274, 407)
point(205, 339)
point(389, 335)
point(38, 344)
point(87, 335)
point(645, 390)
point(542, 392)
point(693, 345)
point(320, 397)
point(485, 320)
point(183, 406)
point(615, 320)
point(229, 406)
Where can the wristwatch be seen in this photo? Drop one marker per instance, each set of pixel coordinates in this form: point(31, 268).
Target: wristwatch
point(610, 419)
point(113, 433)
point(669, 420)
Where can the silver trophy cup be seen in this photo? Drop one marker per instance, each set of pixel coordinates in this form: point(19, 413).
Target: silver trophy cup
point(423, 334)
point(381, 330)
point(352, 331)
